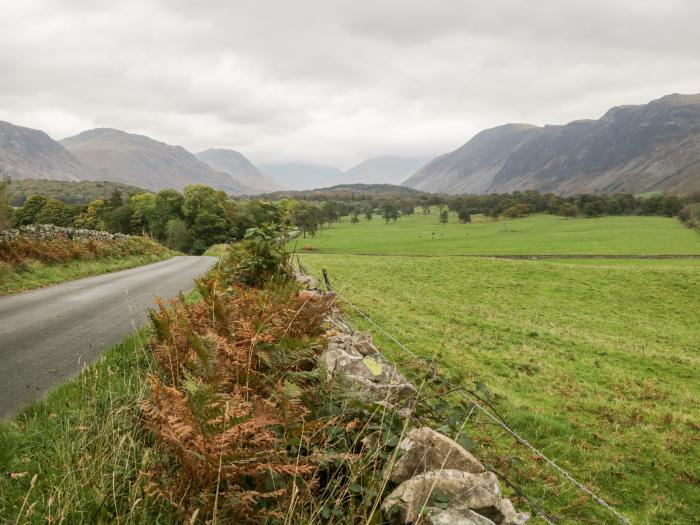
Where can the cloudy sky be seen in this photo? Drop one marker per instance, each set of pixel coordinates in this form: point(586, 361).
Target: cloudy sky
point(334, 82)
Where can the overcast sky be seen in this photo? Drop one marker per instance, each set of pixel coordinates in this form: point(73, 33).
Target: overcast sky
point(334, 82)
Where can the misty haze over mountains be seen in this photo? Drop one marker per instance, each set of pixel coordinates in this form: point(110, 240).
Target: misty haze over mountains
point(651, 147)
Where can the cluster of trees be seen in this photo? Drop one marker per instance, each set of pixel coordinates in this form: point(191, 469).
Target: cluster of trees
point(200, 216)
point(189, 221)
point(520, 204)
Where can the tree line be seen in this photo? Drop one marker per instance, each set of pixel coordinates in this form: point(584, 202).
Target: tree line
point(198, 217)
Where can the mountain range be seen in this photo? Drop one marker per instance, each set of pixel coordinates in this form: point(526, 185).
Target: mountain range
point(106, 154)
point(235, 164)
point(386, 169)
point(636, 149)
point(115, 155)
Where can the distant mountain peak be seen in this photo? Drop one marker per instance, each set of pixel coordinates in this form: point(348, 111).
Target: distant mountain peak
point(385, 169)
point(238, 166)
point(120, 156)
point(27, 153)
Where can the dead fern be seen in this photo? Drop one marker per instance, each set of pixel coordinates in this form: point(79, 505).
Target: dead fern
point(234, 369)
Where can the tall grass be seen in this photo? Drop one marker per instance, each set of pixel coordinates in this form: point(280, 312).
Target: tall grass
point(79, 456)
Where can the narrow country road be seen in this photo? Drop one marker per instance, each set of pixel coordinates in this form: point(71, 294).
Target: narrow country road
point(47, 335)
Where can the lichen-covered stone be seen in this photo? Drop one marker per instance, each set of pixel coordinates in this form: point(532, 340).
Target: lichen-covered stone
point(461, 490)
point(370, 376)
point(424, 449)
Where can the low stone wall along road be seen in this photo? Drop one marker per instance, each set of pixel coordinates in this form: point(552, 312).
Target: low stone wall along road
point(48, 335)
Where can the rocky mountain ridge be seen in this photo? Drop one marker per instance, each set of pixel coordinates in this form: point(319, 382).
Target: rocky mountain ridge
point(29, 153)
point(637, 149)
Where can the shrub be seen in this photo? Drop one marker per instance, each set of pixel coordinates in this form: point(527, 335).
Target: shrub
point(259, 259)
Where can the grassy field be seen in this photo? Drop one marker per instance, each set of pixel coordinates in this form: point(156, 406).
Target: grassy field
point(596, 362)
point(38, 274)
point(419, 234)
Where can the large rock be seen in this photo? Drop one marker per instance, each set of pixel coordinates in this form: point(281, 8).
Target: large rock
point(457, 489)
point(425, 449)
point(307, 281)
point(368, 375)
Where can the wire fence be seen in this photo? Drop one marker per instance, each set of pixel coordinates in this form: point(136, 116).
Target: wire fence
point(496, 418)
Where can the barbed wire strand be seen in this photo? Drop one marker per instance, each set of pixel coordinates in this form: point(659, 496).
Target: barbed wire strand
point(500, 422)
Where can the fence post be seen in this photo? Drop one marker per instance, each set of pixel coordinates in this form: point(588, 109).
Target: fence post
point(325, 278)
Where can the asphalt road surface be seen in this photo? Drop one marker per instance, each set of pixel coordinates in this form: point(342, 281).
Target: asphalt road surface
point(48, 335)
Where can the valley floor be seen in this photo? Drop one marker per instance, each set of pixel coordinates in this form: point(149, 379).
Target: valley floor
point(596, 362)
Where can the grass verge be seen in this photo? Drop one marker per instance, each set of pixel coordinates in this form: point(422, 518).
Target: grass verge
point(79, 455)
point(217, 250)
point(39, 274)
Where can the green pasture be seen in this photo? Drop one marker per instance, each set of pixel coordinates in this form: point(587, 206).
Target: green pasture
point(594, 361)
point(420, 234)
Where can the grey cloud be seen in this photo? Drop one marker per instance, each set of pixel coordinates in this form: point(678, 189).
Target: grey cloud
point(336, 81)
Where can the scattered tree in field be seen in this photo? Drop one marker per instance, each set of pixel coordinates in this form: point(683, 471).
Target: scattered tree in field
point(444, 217)
point(389, 211)
point(464, 216)
point(567, 210)
point(355, 217)
point(368, 212)
point(518, 210)
point(426, 209)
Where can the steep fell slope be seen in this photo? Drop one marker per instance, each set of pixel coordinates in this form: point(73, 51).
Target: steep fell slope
point(115, 155)
point(636, 149)
point(27, 153)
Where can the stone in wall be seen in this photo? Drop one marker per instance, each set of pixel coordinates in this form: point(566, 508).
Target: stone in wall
point(424, 449)
point(353, 359)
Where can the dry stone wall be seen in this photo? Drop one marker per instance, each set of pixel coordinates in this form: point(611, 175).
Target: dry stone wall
point(437, 481)
point(49, 232)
